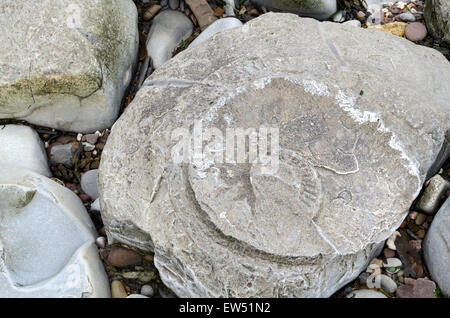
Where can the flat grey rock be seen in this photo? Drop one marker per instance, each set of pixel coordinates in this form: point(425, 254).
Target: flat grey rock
point(169, 28)
point(436, 249)
point(62, 154)
point(66, 64)
point(47, 241)
point(318, 9)
point(21, 147)
point(354, 149)
point(216, 27)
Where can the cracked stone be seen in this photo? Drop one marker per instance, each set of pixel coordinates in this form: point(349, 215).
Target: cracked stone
point(336, 185)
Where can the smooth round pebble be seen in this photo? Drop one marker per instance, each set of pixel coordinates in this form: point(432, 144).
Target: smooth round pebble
point(387, 284)
point(416, 31)
point(100, 242)
point(147, 290)
point(365, 293)
point(123, 257)
point(137, 296)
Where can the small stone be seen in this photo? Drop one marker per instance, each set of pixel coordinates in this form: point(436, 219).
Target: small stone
point(363, 277)
point(420, 218)
point(365, 293)
point(420, 288)
point(92, 138)
point(202, 11)
point(123, 257)
point(388, 253)
point(377, 262)
point(416, 244)
point(118, 290)
point(395, 28)
point(137, 296)
point(413, 215)
point(95, 206)
point(360, 15)
point(407, 17)
point(391, 240)
point(218, 12)
point(151, 12)
point(174, 4)
point(387, 284)
point(87, 146)
point(147, 290)
point(62, 154)
point(354, 23)
point(79, 136)
point(436, 188)
point(101, 242)
point(89, 183)
point(392, 262)
point(84, 197)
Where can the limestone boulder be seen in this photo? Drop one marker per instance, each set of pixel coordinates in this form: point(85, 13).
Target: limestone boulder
point(47, 241)
point(328, 155)
point(318, 9)
point(437, 17)
point(65, 64)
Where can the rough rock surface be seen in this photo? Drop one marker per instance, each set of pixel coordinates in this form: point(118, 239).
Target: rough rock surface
point(47, 240)
point(21, 147)
point(65, 64)
point(319, 9)
point(436, 248)
point(354, 151)
point(437, 17)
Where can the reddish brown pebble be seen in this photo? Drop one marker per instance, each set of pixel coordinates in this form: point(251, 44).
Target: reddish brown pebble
point(150, 12)
point(84, 197)
point(360, 15)
point(202, 11)
point(388, 253)
point(123, 257)
point(421, 288)
point(416, 31)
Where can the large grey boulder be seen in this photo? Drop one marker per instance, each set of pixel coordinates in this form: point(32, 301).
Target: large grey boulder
point(436, 249)
point(319, 9)
point(437, 17)
point(64, 63)
point(354, 148)
point(47, 240)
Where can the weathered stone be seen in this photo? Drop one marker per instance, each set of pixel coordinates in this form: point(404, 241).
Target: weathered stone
point(354, 23)
point(319, 9)
point(437, 17)
point(47, 240)
point(169, 28)
point(436, 249)
point(65, 63)
point(433, 195)
point(354, 148)
point(218, 26)
point(21, 147)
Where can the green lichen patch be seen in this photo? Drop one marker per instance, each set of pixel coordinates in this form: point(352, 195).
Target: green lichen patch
point(25, 200)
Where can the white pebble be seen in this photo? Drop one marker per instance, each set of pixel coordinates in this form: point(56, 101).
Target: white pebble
point(147, 290)
point(100, 241)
